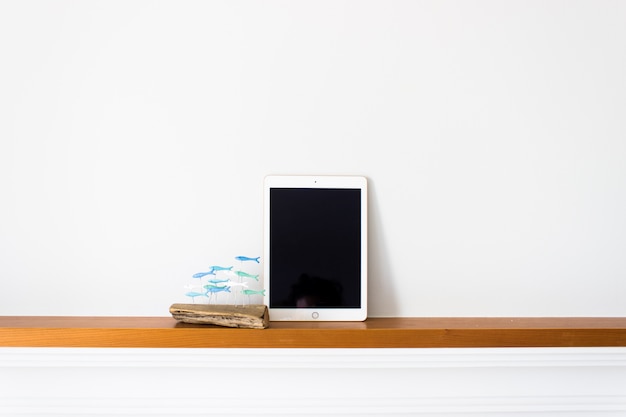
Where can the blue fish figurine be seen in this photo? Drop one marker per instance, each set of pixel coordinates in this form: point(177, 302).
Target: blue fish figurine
point(221, 268)
point(216, 289)
point(218, 281)
point(202, 274)
point(245, 258)
point(194, 294)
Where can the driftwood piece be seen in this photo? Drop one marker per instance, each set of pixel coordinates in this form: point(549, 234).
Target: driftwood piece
point(252, 316)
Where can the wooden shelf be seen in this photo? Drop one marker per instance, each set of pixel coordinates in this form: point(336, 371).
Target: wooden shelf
point(165, 332)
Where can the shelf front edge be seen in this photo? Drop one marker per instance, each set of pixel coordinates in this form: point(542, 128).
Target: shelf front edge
point(163, 332)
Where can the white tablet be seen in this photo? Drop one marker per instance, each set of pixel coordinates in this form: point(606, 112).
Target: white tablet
point(315, 247)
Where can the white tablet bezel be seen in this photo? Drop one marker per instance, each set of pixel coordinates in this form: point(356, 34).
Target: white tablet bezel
point(322, 181)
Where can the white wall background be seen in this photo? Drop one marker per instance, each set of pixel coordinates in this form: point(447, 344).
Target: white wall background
point(134, 137)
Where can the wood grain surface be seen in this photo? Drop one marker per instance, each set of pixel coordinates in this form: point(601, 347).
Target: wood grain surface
point(166, 332)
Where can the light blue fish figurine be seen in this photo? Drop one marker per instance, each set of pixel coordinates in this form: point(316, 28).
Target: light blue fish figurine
point(194, 294)
point(210, 285)
point(242, 274)
point(218, 281)
point(245, 258)
point(221, 268)
point(202, 274)
point(211, 289)
point(253, 292)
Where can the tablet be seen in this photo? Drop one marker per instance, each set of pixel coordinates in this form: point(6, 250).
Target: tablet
point(315, 247)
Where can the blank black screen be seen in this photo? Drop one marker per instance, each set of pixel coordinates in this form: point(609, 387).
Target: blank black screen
point(315, 248)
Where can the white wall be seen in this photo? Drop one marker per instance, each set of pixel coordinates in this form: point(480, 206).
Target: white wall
point(134, 137)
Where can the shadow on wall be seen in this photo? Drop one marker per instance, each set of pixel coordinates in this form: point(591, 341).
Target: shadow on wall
point(381, 289)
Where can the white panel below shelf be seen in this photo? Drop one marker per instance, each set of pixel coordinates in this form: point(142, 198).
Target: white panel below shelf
point(39, 382)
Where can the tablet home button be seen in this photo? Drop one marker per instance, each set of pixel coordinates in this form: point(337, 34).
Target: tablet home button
point(315, 314)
